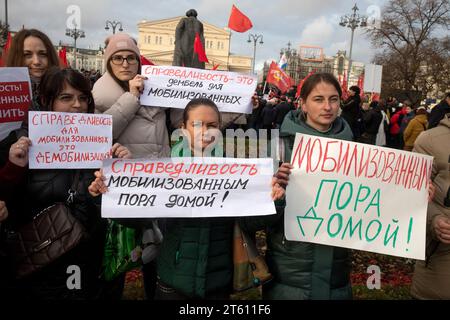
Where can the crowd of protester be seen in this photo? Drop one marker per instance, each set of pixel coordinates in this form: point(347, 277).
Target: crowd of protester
point(195, 259)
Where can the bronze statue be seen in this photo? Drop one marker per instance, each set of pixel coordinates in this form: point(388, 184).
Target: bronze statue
point(184, 41)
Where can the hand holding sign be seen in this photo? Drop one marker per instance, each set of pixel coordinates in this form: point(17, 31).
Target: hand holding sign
point(278, 192)
point(282, 175)
point(18, 153)
point(120, 151)
point(98, 187)
point(441, 226)
point(137, 85)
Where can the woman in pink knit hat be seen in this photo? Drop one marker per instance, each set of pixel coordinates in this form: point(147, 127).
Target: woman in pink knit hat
point(142, 129)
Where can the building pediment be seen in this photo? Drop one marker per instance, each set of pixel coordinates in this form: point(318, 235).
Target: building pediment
point(156, 42)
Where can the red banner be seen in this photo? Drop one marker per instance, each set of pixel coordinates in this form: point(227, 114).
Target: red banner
point(14, 101)
point(63, 57)
point(5, 50)
point(300, 85)
point(146, 62)
point(238, 21)
point(278, 77)
point(361, 85)
point(344, 87)
point(199, 49)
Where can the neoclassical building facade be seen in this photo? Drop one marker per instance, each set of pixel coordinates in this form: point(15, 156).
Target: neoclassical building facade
point(157, 42)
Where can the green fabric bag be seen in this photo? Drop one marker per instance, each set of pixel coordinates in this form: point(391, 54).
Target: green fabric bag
point(122, 251)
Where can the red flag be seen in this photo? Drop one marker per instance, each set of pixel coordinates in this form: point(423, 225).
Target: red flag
point(361, 84)
point(300, 84)
point(199, 49)
point(215, 67)
point(344, 87)
point(374, 97)
point(146, 62)
point(5, 50)
point(278, 77)
point(238, 21)
point(62, 53)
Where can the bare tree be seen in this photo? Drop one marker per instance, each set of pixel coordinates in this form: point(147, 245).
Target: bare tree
point(412, 39)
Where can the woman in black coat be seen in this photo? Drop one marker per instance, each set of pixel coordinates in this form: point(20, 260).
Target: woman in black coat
point(61, 91)
point(351, 111)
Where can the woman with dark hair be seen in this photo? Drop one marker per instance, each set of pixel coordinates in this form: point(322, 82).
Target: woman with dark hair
point(61, 91)
point(351, 111)
point(59, 86)
point(372, 118)
point(31, 48)
point(303, 270)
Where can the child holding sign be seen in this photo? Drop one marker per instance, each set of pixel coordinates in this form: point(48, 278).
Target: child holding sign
point(196, 257)
point(61, 91)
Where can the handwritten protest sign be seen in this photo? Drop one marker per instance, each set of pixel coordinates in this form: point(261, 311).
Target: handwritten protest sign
point(174, 87)
point(69, 140)
point(15, 98)
point(358, 196)
point(187, 187)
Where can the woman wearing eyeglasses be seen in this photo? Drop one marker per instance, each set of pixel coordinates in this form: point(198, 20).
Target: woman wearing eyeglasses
point(64, 90)
point(142, 129)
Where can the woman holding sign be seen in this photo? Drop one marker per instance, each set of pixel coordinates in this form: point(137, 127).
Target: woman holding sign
point(142, 129)
point(61, 91)
point(306, 270)
point(32, 48)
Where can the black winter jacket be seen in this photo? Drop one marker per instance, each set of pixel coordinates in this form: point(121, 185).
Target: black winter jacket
point(351, 110)
point(372, 119)
point(38, 190)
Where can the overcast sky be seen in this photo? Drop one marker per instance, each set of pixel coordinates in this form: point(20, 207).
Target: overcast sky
point(310, 22)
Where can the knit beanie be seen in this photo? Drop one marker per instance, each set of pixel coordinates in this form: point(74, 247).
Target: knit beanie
point(120, 42)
